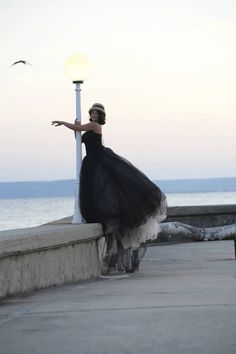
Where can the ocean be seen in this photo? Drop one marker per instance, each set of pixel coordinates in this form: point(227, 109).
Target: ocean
point(29, 212)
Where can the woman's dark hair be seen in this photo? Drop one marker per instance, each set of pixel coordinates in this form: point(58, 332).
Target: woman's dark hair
point(101, 118)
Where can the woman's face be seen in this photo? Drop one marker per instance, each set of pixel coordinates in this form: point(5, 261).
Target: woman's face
point(94, 116)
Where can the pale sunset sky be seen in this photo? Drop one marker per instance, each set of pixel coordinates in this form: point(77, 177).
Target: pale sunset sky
point(165, 71)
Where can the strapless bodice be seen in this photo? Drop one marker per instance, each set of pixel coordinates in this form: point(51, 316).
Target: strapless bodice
point(92, 142)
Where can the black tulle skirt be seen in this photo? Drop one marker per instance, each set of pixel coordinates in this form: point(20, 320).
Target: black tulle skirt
point(116, 194)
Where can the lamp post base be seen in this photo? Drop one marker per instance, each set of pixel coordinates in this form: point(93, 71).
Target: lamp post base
point(77, 218)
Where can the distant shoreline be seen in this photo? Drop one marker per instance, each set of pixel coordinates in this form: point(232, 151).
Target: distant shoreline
point(65, 188)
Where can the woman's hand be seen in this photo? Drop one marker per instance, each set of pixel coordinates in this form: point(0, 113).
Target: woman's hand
point(57, 123)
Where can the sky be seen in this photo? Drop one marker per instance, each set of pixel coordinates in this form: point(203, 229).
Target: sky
point(165, 71)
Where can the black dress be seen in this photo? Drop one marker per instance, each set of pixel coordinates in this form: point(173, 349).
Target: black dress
point(116, 194)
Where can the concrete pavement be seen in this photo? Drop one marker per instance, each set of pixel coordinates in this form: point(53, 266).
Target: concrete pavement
point(182, 301)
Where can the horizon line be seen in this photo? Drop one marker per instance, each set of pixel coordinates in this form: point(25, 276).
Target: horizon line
point(74, 179)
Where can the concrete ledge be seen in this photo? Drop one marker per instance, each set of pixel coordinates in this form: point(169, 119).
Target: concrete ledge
point(203, 215)
point(202, 210)
point(48, 255)
point(60, 252)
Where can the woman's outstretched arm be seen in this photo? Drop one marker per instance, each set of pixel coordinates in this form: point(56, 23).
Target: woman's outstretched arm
point(75, 127)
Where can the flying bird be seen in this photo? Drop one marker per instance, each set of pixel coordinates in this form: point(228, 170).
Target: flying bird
point(22, 62)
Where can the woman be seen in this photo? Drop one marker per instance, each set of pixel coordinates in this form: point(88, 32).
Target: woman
point(116, 194)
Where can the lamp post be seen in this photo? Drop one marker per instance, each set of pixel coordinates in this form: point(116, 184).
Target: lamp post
point(76, 67)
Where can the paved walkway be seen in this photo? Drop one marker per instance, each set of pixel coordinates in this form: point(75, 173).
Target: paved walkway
point(182, 301)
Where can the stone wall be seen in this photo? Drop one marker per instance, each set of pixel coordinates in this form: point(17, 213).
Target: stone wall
point(203, 215)
point(60, 252)
point(49, 255)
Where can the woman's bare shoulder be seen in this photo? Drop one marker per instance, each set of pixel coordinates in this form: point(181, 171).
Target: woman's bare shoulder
point(96, 127)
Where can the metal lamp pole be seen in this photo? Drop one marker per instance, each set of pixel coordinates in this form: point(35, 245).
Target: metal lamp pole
point(76, 67)
point(77, 218)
